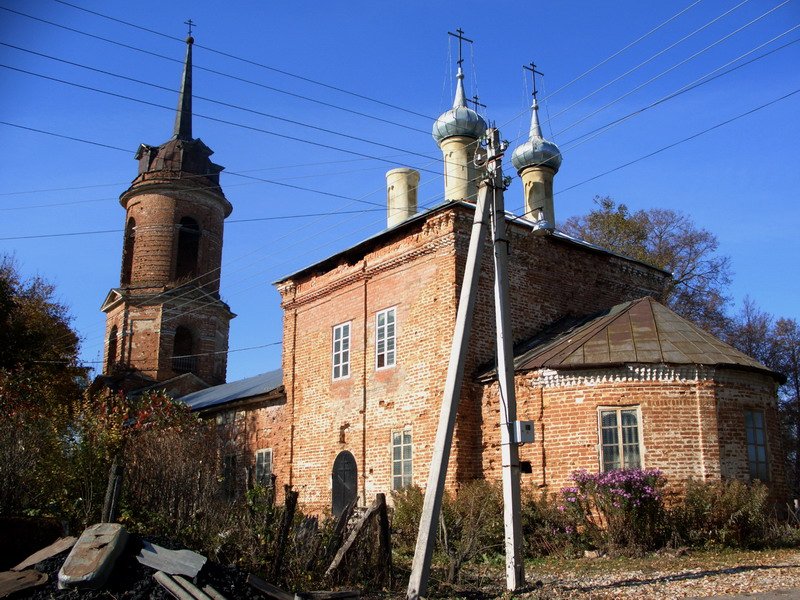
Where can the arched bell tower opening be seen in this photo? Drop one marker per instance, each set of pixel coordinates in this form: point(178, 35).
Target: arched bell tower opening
point(127, 251)
point(175, 213)
point(188, 248)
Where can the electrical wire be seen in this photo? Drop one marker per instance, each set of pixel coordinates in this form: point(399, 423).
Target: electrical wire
point(213, 71)
point(214, 119)
point(220, 102)
point(671, 68)
point(251, 62)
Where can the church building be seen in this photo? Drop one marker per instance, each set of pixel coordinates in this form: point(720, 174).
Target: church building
point(610, 376)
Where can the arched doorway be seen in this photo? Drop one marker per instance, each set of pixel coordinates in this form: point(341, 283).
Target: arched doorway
point(344, 482)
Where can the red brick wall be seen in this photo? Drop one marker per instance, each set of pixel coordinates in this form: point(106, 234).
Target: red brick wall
point(418, 271)
point(148, 316)
point(690, 418)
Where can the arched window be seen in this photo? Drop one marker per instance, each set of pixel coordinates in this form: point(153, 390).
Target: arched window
point(112, 349)
point(183, 359)
point(188, 246)
point(127, 251)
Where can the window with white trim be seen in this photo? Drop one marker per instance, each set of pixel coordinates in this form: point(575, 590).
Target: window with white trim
point(385, 338)
point(341, 351)
point(401, 459)
point(619, 439)
point(264, 467)
point(756, 444)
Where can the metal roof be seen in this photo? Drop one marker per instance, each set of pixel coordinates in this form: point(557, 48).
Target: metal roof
point(640, 331)
point(377, 238)
point(236, 390)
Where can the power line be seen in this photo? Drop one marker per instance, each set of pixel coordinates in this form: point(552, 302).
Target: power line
point(66, 137)
point(621, 50)
point(654, 56)
point(252, 220)
point(210, 118)
point(672, 68)
point(707, 78)
point(251, 62)
point(219, 102)
point(208, 70)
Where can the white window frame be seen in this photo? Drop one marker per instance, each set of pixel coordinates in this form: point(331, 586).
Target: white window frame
point(402, 476)
point(340, 355)
point(386, 335)
point(755, 464)
point(264, 479)
point(637, 410)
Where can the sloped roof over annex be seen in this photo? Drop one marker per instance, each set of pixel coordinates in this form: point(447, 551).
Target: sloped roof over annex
point(639, 331)
point(243, 389)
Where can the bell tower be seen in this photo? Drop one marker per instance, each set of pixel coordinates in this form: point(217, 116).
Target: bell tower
point(166, 318)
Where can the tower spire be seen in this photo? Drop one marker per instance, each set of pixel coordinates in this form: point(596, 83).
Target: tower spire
point(183, 117)
point(536, 129)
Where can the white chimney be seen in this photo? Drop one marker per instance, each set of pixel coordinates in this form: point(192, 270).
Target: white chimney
point(401, 195)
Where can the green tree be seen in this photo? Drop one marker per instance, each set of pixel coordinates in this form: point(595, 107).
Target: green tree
point(668, 240)
point(776, 344)
point(39, 383)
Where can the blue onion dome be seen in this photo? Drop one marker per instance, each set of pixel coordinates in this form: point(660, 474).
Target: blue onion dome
point(537, 151)
point(459, 120)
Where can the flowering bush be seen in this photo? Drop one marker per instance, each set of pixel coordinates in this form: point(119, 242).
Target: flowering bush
point(618, 511)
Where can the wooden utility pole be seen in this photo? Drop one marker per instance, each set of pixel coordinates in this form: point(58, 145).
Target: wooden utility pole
point(515, 571)
point(490, 192)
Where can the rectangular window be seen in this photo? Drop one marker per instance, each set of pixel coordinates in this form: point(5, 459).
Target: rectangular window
point(264, 467)
point(619, 439)
point(401, 459)
point(756, 444)
point(341, 351)
point(385, 338)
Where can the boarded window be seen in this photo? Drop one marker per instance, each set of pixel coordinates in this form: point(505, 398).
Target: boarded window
point(401, 459)
point(756, 444)
point(385, 338)
point(127, 251)
point(619, 439)
point(188, 248)
point(341, 351)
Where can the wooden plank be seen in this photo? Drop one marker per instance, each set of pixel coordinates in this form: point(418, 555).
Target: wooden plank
point(57, 547)
point(290, 504)
point(362, 523)
point(12, 582)
point(214, 594)
point(323, 595)
point(339, 531)
point(270, 590)
point(385, 541)
point(93, 556)
point(187, 585)
point(174, 562)
point(169, 584)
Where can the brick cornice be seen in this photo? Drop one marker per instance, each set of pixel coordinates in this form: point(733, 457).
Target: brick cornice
point(435, 234)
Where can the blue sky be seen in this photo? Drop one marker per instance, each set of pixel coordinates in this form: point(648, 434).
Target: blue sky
point(740, 180)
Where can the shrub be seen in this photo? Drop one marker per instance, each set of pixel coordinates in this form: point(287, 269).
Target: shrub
point(470, 526)
point(728, 513)
point(620, 511)
point(548, 531)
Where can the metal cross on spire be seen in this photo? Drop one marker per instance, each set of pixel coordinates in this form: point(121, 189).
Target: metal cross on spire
point(460, 35)
point(191, 24)
point(532, 68)
point(475, 102)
